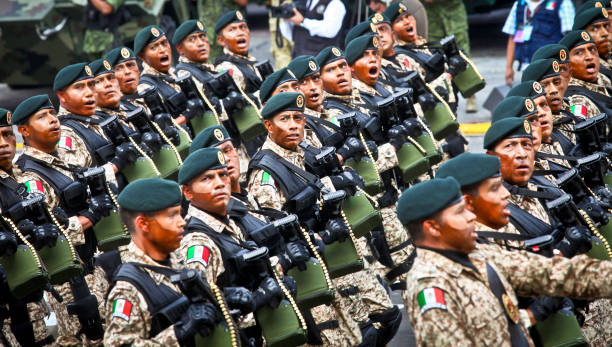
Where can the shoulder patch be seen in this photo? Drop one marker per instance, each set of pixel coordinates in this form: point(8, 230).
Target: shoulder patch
point(65, 142)
point(198, 254)
point(430, 298)
point(34, 187)
point(267, 179)
point(122, 309)
point(579, 110)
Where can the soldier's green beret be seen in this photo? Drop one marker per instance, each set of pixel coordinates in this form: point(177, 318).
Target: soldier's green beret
point(576, 38)
point(424, 199)
point(504, 129)
point(363, 28)
point(288, 101)
point(187, 28)
point(227, 18)
point(470, 168)
point(513, 106)
point(530, 88)
point(395, 10)
point(274, 80)
point(150, 195)
point(593, 4)
point(28, 107)
point(147, 35)
point(355, 48)
point(303, 66)
point(329, 55)
point(209, 137)
point(590, 16)
point(4, 117)
point(100, 67)
point(199, 161)
point(552, 50)
point(119, 55)
point(71, 74)
point(378, 18)
point(541, 69)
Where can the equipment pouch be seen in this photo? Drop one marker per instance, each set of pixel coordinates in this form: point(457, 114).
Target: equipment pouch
point(379, 243)
point(74, 196)
point(177, 104)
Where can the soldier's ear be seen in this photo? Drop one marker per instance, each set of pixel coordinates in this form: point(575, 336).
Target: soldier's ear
point(61, 95)
point(142, 223)
point(24, 130)
point(221, 39)
point(187, 192)
point(268, 124)
point(469, 202)
point(431, 227)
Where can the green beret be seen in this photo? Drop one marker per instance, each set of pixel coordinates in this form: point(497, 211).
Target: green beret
point(71, 74)
point(541, 69)
point(576, 38)
point(119, 55)
point(303, 66)
point(395, 10)
point(287, 101)
point(470, 168)
point(378, 18)
point(199, 161)
point(147, 35)
point(28, 107)
point(355, 48)
point(274, 80)
point(187, 28)
point(424, 199)
point(4, 117)
point(150, 195)
point(592, 4)
point(100, 67)
point(329, 55)
point(227, 18)
point(552, 50)
point(363, 28)
point(513, 106)
point(504, 129)
point(590, 16)
point(209, 137)
point(532, 89)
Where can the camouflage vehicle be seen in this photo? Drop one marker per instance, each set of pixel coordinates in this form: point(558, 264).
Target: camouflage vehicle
point(37, 37)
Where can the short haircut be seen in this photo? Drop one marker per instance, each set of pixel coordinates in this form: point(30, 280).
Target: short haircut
point(128, 217)
point(471, 189)
point(415, 228)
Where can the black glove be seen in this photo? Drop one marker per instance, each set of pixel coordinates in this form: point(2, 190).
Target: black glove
point(296, 254)
point(125, 154)
point(233, 101)
point(61, 216)
point(101, 205)
point(542, 307)
point(455, 145)
point(335, 230)
point(290, 284)
point(195, 108)
point(577, 240)
point(268, 293)
point(199, 318)
point(41, 235)
point(373, 149)
point(397, 136)
point(239, 298)
point(8, 243)
point(346, 181)
point(355, 177)
point(350, 147)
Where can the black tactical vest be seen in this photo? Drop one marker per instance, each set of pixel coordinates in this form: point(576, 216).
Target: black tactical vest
point(253, 82)
point(101, 149)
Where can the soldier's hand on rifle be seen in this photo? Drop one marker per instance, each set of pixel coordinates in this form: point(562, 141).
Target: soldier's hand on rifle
point(41, 235)
point(397, 136)
point(125, 154)
point(350, 147)
point(373, 149)
point(101, 205)
point(577, 240)
point(296, 254)
point(268, 293)
point(542, 307)
point(8, 243)
point(240, 298)
point(199, 318)
point(335, 230)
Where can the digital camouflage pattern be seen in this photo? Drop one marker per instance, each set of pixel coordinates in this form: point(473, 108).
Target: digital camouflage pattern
point(236, 73)
point(530, 204)
point(101, 286)
point(582, 106)
point(37, 312)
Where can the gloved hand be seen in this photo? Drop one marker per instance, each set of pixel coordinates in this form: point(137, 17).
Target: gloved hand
point(350, 147)
point(8, 243)
point(268, 293)
point(346, 181)
point(577, 240)
point(41, 235)
point(233, 101)
point(296, 254)
point(355, 177)
point(290, 284)
point(335, 230)
point(413, 128)
point(542, 307)
point(239, 298)
point(455, 145)
point(397, 136)
point(195, 108)
point(125, 154)
point(199, 318)
point(373, 149)
point(101, 205)
point(61, 216)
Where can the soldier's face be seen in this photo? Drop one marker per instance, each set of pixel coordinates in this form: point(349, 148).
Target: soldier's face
point(600, 34)
point(158, 54)
point(545, 118)
point(286, 129)
point(367, 68)
point(128, 75)
point(337, 77)
point(312, 88)
point(455, 226)
point(584, 62)
point(210, 191)
point(290, 86)
point(490, 205)
point(405, 28)
point(566, 73)
point(42, 130)
point(107, 90)
point(163, 231)
point(555, 89)
point(7, 147)
point(536, 131)
point(231, 159)
point(516, 156)
point(79, 98)
point(195, 47)
point(385, 33)
point(235, 37)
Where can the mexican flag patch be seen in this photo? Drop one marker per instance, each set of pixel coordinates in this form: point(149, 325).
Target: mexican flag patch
point(431, 298)
point(550, 5)
point(266, 178)
point(199, 253)
point(34, 186)
point(65, 142)
point(122, 309)
point(579, 110)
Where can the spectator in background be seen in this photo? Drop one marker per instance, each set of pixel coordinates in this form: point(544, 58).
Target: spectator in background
point(318, 27)
point(532, 24)
point(418, 11)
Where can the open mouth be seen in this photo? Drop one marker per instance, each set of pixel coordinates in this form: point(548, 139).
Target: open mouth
point(410, 30)
point(373, 71)
point(164, 59)
point(342, 82)
point(90, 104)
point(293, 137)
point(5, 154)
point(241, 42)
point(522, 168)
point(129, 81)
point(109, 93)
point(555, 101)
point(590, 68)
point(314, 97)
point(203, 51)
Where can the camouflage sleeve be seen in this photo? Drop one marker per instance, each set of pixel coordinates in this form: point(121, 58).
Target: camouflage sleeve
point(387, 158)
point(582, 107)
point(72, 149)
point(199, 252)
point(236, 73)
point(142, 86)
point(37, 311)
point(128, 320)
point(263, 187)
point(100, 289)
point(311, 138)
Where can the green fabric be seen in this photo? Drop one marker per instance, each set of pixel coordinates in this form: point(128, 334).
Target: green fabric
point(513, 106)
point(363, 28)
point(288, 101)
point(3, 117)
point(527, 88)
point(504, 129)
point(448, 17)
point(590, 16)
point(552, 50)
point(576, 38)
point(541, 69)
point(199, 161)
point(396, 10)
point(187, 28)
point(274, 80)
point(150, 195)
point(147, 35)
point(95, 42)
point(424, 199)
point(30, 106)
point(470, 168)
point(329, 55)
point(227, 18)
point(119, 55)
point(98, 67)
point(209, 137)
point(356, 48)
point(303, 66)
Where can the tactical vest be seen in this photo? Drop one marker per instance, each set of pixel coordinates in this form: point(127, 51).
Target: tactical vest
point(605, 71)
point(321, 127)
point(603, 102)
point(174, 100)
point(127, 102)
point(101, 149)
point(11, 193)
point(239, 213)
point(196, 71)
point(306, 44)
point(546, 28)
point(252, 81)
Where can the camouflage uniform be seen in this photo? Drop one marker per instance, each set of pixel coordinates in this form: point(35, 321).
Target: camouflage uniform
point(554, 148)
point(236, 73)
point(579, 100)
point(209, 12)
point(37, 311)
point(101, 286)
point(508, 228)
point(597, 329)
point(530, 204)
point(466, 311)
point(309, 135)
point(148, 70)
point(133, 328)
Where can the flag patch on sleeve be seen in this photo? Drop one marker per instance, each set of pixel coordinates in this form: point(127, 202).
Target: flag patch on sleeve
point(122, 309)
point(266, 178)
point(579, 110)
point(34, 186)
point(430, 298)
point(550, 5)
point(199, 254)
point(65, 142)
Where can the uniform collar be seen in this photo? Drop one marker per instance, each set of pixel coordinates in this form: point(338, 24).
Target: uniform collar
point(138, 255)
point(290, 155)
point(247, 57)
point(454, 256)
point(441, 262)
point(597, 87)
point(40, 155)
point(206, 66)
point(364, 88)
point(148, 70)
point(217, 225)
